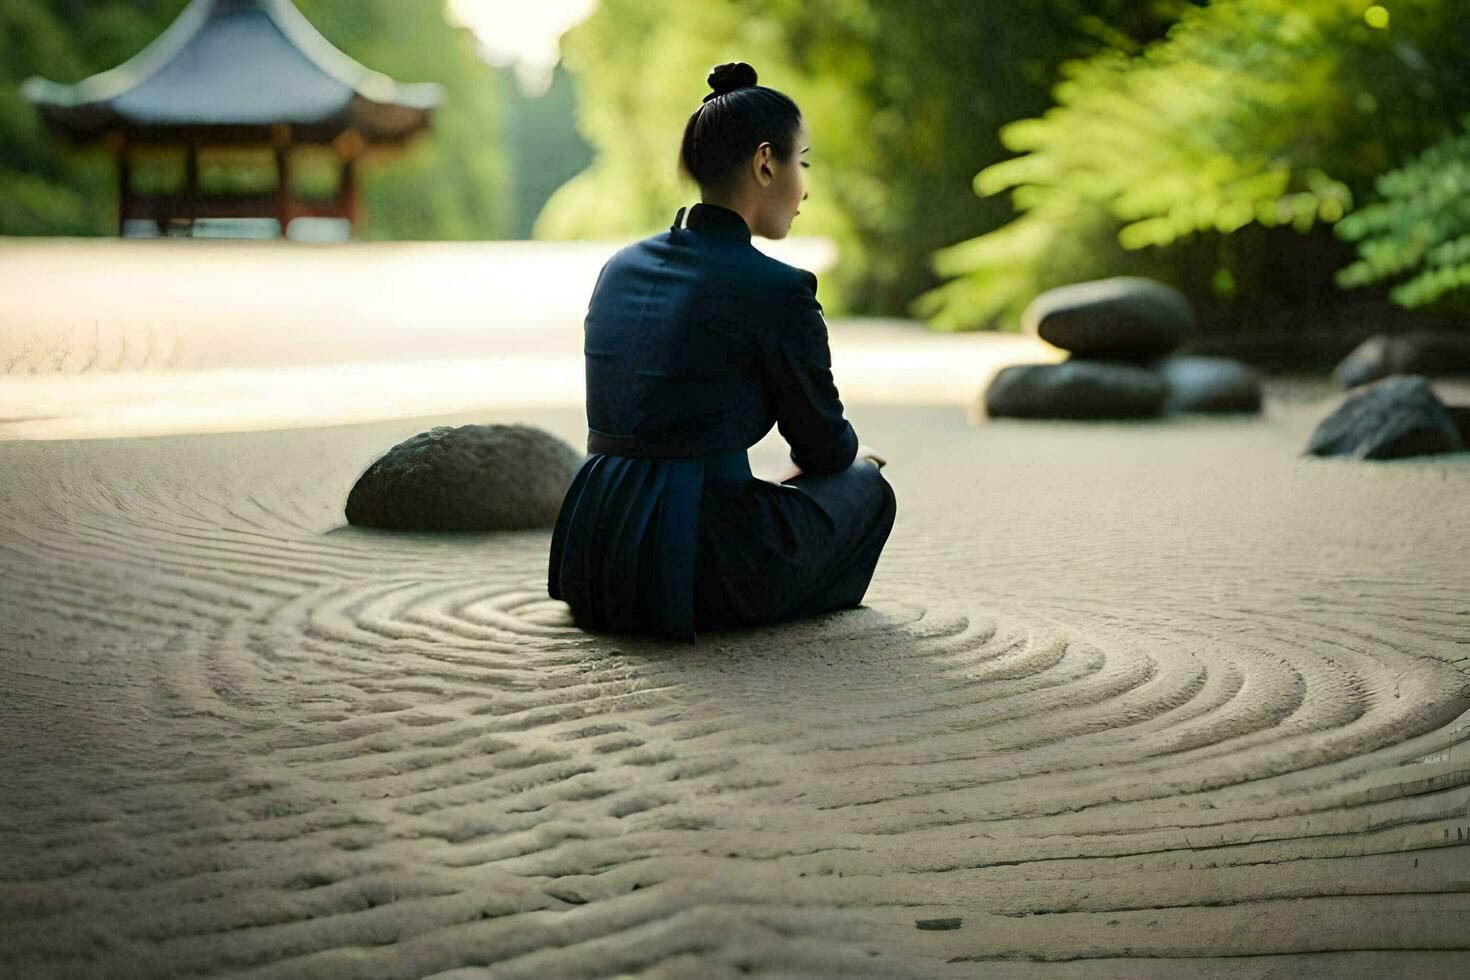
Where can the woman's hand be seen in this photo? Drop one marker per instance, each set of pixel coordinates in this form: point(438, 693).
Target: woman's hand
point(790, 474)
point(864, 451)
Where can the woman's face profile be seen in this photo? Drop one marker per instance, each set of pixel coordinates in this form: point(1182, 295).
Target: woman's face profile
point(781, 195)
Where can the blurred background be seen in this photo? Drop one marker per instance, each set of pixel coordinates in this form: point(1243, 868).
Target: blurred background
point(1299, 168)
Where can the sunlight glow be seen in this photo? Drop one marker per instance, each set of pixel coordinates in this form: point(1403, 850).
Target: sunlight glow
point(150, 338)
point(524, 35)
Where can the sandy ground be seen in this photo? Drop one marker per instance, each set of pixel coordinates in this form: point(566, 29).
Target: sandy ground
point(1125, 700)
point(1120, 693)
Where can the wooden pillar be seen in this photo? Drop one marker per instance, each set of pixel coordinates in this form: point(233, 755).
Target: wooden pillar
point(347, 195)
point(123, 161)
point(281, 140)
point(283, 188)
point(191, 184)
point(348, 146)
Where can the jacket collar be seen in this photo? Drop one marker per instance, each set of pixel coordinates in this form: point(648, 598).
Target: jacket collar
point(711, 219)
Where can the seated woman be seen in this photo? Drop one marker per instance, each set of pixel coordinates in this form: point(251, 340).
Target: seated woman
point(695, 344)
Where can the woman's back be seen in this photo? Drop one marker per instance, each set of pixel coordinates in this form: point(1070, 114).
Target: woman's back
point(696, 343)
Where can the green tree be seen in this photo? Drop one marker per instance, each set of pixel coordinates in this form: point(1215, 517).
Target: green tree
point(902, 101)
point(44, 188)
point(543, 139)
point(932, 85)
point(1250, 113)
point(456, 183)
point(1418, 234)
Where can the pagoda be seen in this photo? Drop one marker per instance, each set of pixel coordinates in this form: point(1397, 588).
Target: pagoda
point(233, 74)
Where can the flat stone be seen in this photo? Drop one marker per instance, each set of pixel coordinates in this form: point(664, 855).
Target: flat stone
point(1125, 316)
point(1075, 389)
point(1398, 416)
point(1426, 353)
point(466, 478)
point(1209, 384)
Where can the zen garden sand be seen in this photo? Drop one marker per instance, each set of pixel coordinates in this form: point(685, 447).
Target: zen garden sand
point(1126, 699)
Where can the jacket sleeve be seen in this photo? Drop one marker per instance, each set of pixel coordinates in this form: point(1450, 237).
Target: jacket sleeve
point(798, 375)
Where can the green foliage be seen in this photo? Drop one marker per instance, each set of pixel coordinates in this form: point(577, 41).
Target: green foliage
point(547, 151)
point(1419, 230)
point(1275, 113)
point(938, 82)
point(640, 68)
point(902, 101)
point(44, 188)
point(454, 184)
point(628, 116)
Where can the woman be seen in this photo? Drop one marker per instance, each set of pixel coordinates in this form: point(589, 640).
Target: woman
point(695, 344)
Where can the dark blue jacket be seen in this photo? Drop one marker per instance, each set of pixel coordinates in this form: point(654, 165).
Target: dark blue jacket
point(697, 342)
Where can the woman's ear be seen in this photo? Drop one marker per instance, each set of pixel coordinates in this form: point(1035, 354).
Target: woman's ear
point(760, 165)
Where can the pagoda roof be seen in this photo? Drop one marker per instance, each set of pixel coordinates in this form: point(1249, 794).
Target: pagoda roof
point(234, 69)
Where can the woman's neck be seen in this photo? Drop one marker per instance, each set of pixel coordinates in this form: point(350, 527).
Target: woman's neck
point(740, 207)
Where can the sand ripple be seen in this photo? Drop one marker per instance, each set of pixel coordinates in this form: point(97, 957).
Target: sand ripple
point(237, 739)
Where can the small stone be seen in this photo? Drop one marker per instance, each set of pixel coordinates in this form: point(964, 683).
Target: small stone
point(1398, 416)
point(939, 924)
point(1125, 316)
point(1209, 384)
point(1075, 389)
point(469, 478)
point(1373, 359)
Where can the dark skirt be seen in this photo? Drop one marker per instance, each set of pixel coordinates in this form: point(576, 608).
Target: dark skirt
point(668, 546)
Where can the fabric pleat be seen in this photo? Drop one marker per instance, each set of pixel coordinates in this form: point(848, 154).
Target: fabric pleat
point(622, 552)
point(651, 545)
point(771, 552)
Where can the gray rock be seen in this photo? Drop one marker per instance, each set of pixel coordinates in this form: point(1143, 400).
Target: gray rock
point(1209, 384)
point(1075, 389)
point(1398, 416)
point(1126, 316)
point(1432, 354)
point(469, 478)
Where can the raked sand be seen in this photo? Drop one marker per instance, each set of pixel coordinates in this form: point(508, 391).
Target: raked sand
point(1146, 700)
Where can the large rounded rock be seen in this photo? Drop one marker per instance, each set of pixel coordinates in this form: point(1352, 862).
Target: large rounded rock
point(1416, 353)
point(1075, 389)
point(1126, 316)
point(1209, 384)
point(1398, 416)
point(469, 478)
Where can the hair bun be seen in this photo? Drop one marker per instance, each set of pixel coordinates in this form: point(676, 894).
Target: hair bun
point(728, 77)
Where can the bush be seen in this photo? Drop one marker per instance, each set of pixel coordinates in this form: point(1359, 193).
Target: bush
point(1272, 113)
point(1420, 230)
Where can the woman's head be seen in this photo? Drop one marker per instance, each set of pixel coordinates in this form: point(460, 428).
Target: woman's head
point(743, 148)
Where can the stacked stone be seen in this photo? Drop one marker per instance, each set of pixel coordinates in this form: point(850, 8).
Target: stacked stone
point(1120, 334)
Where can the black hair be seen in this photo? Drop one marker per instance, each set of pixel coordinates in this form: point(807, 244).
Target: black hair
point(736, 117)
